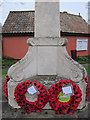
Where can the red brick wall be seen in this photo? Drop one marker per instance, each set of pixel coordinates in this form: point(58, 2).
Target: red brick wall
point(72, 45)
point(16, 47)
point(89, 45)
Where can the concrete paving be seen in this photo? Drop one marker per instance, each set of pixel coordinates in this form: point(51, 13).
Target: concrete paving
point(8, 112)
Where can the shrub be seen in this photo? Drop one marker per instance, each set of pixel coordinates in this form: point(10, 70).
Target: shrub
point(83, 59)
point(7, 62)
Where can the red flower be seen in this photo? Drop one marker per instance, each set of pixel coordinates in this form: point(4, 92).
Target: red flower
point(28, 110)
point(88, 86)
point(38, 110)
point(6, 87)
point(19, 94)
point(64, 110)
point(40, 105)
point(63, 107)
point(71, 111)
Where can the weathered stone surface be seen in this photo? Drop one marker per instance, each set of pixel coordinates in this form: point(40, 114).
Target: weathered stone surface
point(26, 67)
point(47, 57)
point(82, 85)
point(68, 68)
point(41, 59)
point(9, 112)
point(11, 87)
point(47, 54)
point(47, 41)
point(45, 80)
point(47, 19)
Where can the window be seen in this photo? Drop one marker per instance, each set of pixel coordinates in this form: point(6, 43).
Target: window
point(82, 44)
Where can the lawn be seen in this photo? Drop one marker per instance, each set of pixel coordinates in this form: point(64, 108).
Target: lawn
point(88, 69)
point(3, 73)
point(83, 59)
point(7, 62)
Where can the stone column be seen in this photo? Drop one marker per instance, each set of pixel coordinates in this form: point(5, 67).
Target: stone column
point(47, 19)
point(47, 54)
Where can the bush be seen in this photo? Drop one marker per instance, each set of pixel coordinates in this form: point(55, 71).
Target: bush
point(7, 58)
point(83, 59)
point(7, 62)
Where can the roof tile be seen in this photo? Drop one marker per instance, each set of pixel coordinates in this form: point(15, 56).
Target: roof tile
point(23, 22)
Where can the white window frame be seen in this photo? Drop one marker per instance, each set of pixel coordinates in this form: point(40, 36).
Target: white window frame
point(83, 45)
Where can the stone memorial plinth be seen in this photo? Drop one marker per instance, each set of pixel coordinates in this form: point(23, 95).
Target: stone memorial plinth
point(47, 55)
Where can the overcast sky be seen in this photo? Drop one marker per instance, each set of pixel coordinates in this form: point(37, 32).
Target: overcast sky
point(71, 6)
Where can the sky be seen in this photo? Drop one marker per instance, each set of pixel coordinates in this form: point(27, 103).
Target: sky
point(71, 6)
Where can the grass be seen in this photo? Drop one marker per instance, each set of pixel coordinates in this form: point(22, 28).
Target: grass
point(87, 69)
point(7, 62)
point(83, 59)
point(3, 73)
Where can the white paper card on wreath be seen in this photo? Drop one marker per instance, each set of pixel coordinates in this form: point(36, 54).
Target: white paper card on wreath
point(67, 90)
point(32, 90)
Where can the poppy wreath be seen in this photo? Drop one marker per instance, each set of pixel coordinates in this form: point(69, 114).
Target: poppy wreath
point(71, 103)
point(6, 87)
point(29, 106)
point(87, 88)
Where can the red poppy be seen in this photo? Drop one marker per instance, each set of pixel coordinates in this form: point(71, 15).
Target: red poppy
point(19, 94)
point(63, 107)
point(88, 86)
point(6, 87)
point(71, 111)
point(38, 110)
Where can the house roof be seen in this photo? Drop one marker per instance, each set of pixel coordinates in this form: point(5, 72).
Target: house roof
point(23, 22)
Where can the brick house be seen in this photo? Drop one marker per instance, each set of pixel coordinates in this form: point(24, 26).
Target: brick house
point(19, 26)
